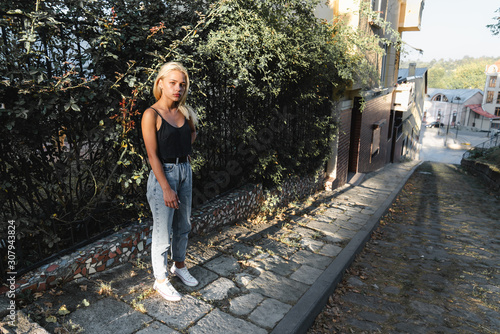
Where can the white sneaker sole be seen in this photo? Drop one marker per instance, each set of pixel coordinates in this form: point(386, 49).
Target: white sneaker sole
point(170, 298)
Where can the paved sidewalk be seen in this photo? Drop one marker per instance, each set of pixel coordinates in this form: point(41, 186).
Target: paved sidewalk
point(268, 276)
point(432, 266)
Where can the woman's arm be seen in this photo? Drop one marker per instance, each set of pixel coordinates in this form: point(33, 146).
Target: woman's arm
point(148, 125)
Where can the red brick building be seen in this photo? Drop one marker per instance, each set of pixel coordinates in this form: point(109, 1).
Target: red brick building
point(367, 139)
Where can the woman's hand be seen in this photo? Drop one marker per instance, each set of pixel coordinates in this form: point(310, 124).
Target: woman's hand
point(171, 199)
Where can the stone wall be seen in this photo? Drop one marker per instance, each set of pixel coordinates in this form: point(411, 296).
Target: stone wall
point(134, 241)
point(483, 171)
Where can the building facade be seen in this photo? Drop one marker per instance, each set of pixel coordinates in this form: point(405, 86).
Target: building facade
point(491, 98)
point(456, 108)
point(366, 138)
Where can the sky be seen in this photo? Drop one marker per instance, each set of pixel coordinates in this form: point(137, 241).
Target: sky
point(452, 29)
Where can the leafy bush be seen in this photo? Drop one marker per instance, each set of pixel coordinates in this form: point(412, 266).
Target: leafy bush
point(70, 148)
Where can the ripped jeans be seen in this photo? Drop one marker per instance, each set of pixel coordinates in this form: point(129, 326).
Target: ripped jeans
point(171, 227)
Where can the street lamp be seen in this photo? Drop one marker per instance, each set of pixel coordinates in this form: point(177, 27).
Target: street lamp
point(457, 123)
point(449, 118)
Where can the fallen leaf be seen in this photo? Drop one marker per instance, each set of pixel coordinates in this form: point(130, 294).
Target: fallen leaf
point(85, 303)
point(55, 293)
point(63, 310)
point(51, 318)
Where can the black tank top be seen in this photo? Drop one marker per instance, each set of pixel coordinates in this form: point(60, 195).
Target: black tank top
point(173, 142)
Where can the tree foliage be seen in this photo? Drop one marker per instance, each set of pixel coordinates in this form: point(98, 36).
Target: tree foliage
point(70, 149)
point(495, 27)
point(466, 73)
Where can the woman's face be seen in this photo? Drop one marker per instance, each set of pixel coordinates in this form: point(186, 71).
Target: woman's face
point(173, 85)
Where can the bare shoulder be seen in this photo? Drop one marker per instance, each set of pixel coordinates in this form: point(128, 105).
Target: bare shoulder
point(149, 115)
point(149, 112)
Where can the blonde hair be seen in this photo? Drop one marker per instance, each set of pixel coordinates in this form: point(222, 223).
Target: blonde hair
point(186, 110)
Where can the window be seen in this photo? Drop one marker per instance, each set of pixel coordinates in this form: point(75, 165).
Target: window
point(376, 141)
point(379, 6)
point(382, 69)
point(497, 111)
point(498, 98)
point(489, 96)
point(441, 97)
point(376, 137)
point(391, 125)
point(493, 82)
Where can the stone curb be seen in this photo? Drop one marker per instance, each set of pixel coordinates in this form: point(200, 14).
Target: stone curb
point(302, 315)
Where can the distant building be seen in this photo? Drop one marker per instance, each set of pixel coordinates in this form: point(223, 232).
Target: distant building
point(491, 98)
point(456, 107)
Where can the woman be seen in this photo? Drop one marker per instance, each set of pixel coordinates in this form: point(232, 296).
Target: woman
point(168, 129)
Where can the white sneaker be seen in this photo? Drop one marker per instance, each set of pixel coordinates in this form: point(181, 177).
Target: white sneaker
point(167, 291)
point(184, 275)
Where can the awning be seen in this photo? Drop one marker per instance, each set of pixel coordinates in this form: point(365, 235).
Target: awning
point(479, 110)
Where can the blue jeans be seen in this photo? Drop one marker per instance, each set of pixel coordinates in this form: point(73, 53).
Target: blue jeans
point(170, 223)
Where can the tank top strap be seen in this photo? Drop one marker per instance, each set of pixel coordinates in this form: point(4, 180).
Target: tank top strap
point(159, 114)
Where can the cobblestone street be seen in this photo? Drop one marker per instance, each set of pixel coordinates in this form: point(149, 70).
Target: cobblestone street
point(432, 266)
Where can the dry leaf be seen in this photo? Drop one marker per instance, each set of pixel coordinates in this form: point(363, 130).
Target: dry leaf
point(55, 293)
point(51, 318)
point(63, 310)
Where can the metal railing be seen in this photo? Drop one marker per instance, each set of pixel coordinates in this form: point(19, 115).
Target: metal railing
point(479, 150)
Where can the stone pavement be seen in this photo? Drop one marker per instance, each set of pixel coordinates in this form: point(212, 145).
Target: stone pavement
point(432, 266)
point(263, 276)
point(434, 149)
